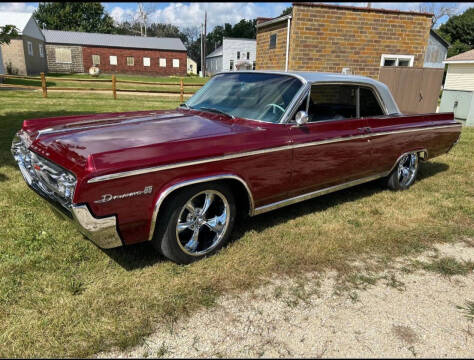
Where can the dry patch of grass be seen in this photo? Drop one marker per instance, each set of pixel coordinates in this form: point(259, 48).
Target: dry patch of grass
point(62, 296)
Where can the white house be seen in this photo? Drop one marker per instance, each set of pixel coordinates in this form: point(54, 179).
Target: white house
point(233, 55)
point(458, 92)
point(191, 66)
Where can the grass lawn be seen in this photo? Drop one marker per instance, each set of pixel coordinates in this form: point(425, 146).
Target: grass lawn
point(62, 296)
point(50, 83)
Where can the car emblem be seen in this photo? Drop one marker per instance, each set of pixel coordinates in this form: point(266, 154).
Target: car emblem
point(110, 197)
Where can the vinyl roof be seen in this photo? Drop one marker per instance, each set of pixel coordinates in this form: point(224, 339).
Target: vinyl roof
point(320, 77)
point(111, 40)
point(19, 19)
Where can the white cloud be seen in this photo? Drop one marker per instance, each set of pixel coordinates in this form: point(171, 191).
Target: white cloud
point(17, 7)
point(192, 14)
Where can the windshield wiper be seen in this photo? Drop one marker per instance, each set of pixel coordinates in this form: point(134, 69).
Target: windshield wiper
point(217, 111)
point(185, 105)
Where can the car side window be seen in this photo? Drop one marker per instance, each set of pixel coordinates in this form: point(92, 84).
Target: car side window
point(369, 106)
point(332, 102)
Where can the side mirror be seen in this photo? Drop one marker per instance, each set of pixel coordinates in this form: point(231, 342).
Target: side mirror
point(301, 118)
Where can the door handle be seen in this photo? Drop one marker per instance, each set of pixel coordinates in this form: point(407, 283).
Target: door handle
point(365, 130)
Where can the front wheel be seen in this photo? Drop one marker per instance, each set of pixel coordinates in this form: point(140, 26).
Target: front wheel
point(196, 222)
point(404, 174)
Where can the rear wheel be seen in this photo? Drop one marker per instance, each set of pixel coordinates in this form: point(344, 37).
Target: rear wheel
point(404, 174)
point(196, 222)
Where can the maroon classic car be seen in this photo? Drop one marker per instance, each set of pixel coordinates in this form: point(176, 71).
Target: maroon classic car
point(249, 141)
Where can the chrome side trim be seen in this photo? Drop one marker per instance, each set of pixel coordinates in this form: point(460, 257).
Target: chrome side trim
point(252, 153)
point(185, 163)
point(313, 194)
point(320, 192)
point(102, 232)
point(174, 187)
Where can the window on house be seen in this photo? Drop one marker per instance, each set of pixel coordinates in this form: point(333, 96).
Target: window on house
point(273, 41)
point(332, 102)
point(130, 61)
point(63, 55)
point(238, 55)
point(175, 63)
point(253, 65)
point(146, 61)
point(162, 62)
point(231, 65)
point(396, 60)
point(248, 55)
point(95, 60)
point(30, 48)
point(41, 50)
point(369, 106)
point(113, 60)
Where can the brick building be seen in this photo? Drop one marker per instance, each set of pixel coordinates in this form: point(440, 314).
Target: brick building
point(25, 54)
point(333, 38)
point(76, 52)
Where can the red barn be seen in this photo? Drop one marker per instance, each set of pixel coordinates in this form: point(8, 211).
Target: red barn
point(76, 52)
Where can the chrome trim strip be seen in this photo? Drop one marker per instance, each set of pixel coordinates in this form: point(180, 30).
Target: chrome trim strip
point(313, 194)
point(174, 187)
point(102, 231)
point(185, 163)
point(251, 153)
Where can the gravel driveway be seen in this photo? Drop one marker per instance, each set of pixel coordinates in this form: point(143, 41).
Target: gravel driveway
point(402, 314)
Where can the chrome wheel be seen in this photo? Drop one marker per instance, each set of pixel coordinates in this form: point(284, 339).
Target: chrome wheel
point(407, 168)
point(202, 222)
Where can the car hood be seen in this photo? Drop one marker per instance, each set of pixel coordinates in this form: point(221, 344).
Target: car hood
point(105, 141)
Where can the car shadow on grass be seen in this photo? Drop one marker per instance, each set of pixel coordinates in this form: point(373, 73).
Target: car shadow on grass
point(321, 203)
point(141, 255)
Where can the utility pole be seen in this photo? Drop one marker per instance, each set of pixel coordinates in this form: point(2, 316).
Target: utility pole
point(202, 52)
point(205, 35)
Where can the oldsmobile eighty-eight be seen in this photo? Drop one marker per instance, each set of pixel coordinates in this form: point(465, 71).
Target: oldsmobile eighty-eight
point(246, 142)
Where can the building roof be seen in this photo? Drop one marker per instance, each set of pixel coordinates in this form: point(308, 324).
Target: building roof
point(359, 8)
point(217, 52)
point(19, 19)
point(314, 77)
point(465, 57)
point(439, 38)
point(112, 40)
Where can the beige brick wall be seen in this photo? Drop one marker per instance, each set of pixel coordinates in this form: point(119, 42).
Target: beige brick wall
point(14, 53)
point(271, 59)
point(327, 39)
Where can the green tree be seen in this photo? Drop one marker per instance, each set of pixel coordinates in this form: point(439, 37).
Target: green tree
point(74, 16)
point(7, 32)
point(287, 11)
point(459, 32)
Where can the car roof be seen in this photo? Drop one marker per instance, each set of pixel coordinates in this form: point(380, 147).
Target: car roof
point(309, 77)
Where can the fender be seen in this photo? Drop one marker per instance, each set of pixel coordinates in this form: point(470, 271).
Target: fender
point(171, 187)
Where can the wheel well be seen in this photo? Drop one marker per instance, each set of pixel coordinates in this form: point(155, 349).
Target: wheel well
point(242, 197)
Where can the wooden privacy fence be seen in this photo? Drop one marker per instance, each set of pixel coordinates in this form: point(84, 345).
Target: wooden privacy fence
point(416, 90)
point(113, 85)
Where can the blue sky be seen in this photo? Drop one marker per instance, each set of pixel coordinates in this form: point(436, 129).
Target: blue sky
point(192, 14)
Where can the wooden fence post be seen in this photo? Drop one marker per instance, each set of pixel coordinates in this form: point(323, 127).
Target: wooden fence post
point(114, 87)
point(43, 85)
point(181, 90)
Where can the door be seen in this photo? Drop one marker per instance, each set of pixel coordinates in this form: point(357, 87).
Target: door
point(334, 146)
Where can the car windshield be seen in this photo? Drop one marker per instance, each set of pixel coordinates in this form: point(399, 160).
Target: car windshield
point(256, 96)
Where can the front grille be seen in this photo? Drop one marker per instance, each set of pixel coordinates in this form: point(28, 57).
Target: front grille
point(48, 179)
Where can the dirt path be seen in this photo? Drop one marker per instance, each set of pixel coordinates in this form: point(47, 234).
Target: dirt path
point(404, 313)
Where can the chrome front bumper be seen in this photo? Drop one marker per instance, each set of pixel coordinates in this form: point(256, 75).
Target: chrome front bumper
point(101, 231)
